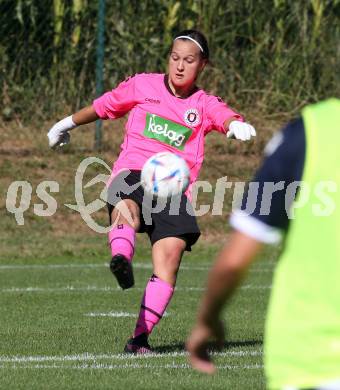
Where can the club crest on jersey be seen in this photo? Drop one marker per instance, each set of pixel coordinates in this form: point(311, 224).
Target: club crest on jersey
point(192, 117)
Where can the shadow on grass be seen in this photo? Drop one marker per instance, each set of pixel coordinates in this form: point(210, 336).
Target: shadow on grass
point(180, 347)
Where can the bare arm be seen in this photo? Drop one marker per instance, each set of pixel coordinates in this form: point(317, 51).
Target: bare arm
point(223, 279)
point(226, 274)
point(85, 115)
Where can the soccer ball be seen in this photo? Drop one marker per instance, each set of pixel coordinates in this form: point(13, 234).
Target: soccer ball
point(165, 175)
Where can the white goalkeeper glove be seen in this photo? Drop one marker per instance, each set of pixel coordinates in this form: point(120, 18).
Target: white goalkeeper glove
point(59, 133)
point(241, 130)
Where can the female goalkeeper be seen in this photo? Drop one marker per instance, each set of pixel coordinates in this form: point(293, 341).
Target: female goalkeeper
point(167, 112)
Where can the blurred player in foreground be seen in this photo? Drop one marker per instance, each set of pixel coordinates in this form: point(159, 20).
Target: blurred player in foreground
point(302, 335)
point(167, 112)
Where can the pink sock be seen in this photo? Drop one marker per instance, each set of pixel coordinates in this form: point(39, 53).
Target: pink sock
point(157, 296)
point(122, 241)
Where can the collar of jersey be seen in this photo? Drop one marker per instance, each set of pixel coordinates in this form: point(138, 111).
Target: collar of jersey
point(167, 85)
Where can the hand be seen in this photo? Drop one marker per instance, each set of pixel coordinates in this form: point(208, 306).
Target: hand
point(241, 130)
point(58, 138)
point(197, 345)
point(59, 134)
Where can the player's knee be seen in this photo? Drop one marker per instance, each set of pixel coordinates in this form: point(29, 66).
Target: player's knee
point(126, 212)
point(171, 249)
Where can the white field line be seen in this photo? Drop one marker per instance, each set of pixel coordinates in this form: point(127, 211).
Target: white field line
point(84, 357)
point(129, 366)
point(32, 289)
point(204, 267)
point(116, 314)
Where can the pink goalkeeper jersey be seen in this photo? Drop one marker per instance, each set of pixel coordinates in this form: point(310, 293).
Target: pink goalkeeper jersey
point(159, 121)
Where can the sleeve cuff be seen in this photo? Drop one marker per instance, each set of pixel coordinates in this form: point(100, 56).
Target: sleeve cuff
point(255, 228)
point(98, 106)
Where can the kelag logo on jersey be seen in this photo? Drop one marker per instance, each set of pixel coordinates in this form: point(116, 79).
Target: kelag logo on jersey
point(166, 131)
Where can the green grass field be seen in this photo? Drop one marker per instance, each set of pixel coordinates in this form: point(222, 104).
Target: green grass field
point(64, 322)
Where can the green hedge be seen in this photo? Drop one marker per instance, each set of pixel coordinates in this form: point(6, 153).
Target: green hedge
point(270, 56)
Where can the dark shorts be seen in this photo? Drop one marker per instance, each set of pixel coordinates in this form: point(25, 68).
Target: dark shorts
point(159, 218)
